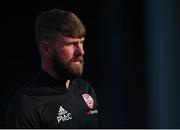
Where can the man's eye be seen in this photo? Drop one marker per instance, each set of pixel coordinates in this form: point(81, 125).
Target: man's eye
point(68, 44)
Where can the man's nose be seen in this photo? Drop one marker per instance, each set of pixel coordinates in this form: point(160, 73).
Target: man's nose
point(79, 50)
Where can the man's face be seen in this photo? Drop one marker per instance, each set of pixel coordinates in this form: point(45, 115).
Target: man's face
point(68, 57)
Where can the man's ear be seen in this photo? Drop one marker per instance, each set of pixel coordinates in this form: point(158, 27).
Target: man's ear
point(45, 48)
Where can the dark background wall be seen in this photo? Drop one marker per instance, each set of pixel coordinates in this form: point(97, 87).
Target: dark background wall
point(132, 57)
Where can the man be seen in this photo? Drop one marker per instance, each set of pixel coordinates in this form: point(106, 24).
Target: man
point(56, 97)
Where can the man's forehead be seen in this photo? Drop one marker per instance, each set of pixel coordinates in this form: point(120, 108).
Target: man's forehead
point(71, 39)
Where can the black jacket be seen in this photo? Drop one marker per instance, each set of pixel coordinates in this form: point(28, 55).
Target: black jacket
point(46, 103)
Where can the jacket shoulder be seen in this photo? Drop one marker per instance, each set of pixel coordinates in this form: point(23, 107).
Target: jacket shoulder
point(22, 112)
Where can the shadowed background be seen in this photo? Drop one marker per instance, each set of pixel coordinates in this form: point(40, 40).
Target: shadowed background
point(132, 57)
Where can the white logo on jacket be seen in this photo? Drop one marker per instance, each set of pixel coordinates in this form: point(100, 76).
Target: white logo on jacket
point(63, 115)
point(88, 100)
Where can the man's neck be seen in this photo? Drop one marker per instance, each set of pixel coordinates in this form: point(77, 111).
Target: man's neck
point(55, 76)
point(67, 84)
